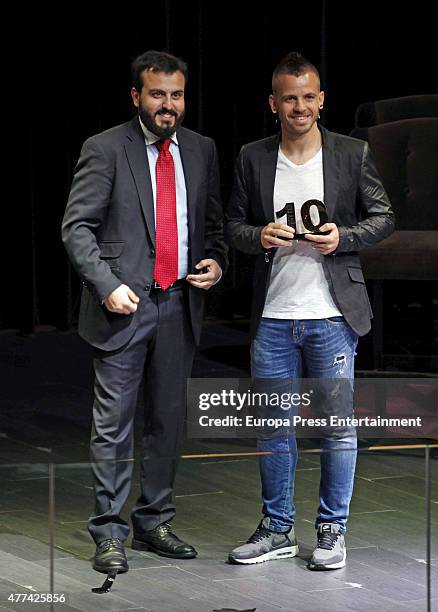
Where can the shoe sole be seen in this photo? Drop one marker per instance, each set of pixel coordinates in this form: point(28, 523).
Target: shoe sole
point(282, 553)
point(331, 566)
point(137, 545)
point(105, 570)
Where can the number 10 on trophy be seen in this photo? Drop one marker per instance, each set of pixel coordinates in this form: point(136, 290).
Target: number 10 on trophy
point(313, 214)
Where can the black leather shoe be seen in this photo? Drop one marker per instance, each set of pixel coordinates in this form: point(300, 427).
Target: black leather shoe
point(164, 542)
point(110, 556)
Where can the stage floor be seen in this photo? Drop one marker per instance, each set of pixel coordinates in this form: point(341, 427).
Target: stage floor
point(217, 507)
point(45, 419)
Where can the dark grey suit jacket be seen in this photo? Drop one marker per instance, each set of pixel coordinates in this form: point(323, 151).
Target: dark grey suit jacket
point(355, 200)
point(109, 228)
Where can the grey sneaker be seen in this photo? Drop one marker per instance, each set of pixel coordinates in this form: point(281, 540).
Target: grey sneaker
point(330, 552)
point(265, 545)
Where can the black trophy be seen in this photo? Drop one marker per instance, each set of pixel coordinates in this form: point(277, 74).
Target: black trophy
point(311, 227)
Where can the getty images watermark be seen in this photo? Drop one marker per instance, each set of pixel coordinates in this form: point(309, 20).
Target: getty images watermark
point(312, 407)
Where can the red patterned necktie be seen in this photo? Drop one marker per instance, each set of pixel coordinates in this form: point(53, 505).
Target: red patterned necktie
point(166, 230)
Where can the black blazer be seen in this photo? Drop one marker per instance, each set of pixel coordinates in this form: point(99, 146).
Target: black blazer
point(109, 228)
point(355, 200)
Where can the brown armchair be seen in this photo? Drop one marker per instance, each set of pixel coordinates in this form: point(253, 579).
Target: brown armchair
point(406, 154)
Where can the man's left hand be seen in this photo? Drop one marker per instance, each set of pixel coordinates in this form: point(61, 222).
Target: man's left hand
point(325, 244)
point(205, 280)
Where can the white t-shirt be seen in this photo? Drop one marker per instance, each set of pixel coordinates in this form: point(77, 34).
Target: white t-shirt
point(298, 287)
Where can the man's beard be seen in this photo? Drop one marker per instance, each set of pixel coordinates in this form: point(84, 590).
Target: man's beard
point(162, 132)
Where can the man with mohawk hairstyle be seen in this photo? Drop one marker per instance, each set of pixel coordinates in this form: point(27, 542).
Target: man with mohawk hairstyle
point(310, 303)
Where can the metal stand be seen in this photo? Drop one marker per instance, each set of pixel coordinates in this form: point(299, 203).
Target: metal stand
point(52, 528)
point(428, 484)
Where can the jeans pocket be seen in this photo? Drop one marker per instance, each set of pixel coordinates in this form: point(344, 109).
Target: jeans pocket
point(336, 320)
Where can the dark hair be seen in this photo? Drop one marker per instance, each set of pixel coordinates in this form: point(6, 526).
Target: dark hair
point(293, 63)
point(157, 61)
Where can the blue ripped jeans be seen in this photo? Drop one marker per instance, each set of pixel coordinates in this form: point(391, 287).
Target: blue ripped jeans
point(323, 349)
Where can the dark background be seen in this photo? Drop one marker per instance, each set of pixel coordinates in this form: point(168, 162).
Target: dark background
point(71, 79)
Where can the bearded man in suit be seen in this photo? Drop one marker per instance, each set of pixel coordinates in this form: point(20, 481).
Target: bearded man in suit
point(143, 229)
point(310, 302)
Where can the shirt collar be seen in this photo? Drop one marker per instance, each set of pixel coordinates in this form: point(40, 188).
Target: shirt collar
point(153, 138)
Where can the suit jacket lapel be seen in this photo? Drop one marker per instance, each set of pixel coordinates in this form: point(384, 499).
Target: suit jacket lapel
point(267, 170)
point(135, 148)
point(331, 169)
point(191, 161)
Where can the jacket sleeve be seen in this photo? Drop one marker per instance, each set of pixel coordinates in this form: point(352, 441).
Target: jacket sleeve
point(215, 246)
point(377, 216)
point(85, 212)
point(240, 233)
